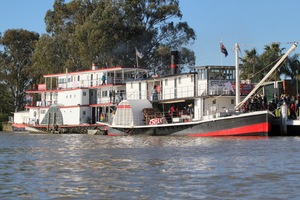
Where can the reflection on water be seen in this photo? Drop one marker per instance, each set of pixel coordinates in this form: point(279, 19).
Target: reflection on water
point(34, 166)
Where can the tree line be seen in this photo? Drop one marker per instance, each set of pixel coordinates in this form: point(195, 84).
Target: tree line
point(107, 32)
point(82, 32)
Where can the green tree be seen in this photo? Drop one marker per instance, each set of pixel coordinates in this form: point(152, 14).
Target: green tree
point(49, 57)
point(291, 67)
point(272, 53)
point(15, 66)
point(251, 65)
point(255, 66)
point(107, 32)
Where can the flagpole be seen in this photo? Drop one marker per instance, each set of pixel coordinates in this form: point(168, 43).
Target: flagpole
point(237, 75)
point(220, 42)
point(221, 59)
point(137, 61)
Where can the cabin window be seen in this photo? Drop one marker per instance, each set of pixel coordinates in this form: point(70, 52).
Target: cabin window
point(84, 93)
point(202, 74)
point(233, 74)
point(78, 78)
point(83, 112)
point(61, 80)
point(192, 78)
point(232, 101)
point(179, 80)
point(214, 101)
point(131, 85)
point(104, 93)
point(166, 82)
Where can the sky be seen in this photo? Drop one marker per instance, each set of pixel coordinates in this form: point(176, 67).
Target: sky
point(251, 24)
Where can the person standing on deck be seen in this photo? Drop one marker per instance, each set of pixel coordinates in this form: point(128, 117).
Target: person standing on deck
point(154, 93)
point(110, 96)
point(172, 110)
point(293, 111)
point(114, 96)
point(103, 79)
point(190, 110)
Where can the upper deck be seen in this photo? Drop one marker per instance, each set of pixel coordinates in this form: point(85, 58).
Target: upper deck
point(90, 78)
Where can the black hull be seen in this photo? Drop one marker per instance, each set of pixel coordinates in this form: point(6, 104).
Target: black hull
point(250, 124)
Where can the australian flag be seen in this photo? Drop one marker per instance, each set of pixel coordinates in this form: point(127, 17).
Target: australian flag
point(223, 49)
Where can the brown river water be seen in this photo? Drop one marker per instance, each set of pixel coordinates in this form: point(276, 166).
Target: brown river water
point(49, 166)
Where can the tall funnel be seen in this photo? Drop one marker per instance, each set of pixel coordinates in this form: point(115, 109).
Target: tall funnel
point(174, 62)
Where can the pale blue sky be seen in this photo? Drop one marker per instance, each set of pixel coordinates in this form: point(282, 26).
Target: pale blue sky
point(252, 24)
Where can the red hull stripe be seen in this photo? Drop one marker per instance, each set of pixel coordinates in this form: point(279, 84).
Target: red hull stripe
point(109, 134)
point(124, 106)
point(264, 127)
point(244, 130)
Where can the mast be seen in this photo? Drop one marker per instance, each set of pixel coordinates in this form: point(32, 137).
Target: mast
point(268, 74)
point(237, 75)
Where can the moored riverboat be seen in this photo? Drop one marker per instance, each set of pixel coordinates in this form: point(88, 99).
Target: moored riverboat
point(210, 90)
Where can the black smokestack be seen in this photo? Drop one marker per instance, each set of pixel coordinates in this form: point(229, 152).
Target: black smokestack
point(174, 62)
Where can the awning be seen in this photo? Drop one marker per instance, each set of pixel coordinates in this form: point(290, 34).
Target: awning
point(173, 101)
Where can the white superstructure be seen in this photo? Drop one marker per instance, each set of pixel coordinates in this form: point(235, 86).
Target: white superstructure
point(75, 98)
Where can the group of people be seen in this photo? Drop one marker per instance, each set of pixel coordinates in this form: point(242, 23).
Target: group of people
point(292, 103)
point(259, 102)
point(189, 110)
point(115, 97)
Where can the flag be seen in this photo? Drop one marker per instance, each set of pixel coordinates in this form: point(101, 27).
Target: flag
point(223, 49)
point(138, 54)
point(228, 86)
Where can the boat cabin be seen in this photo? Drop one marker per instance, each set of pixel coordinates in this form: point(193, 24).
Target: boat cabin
point(210, 89)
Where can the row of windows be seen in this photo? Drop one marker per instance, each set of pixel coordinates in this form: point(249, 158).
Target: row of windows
point(91, 77)
point(166, 81)
point(217, 74)
point(103, 94)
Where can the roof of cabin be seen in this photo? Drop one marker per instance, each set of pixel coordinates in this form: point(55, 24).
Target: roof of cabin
point(213, 67)
point(111, 69)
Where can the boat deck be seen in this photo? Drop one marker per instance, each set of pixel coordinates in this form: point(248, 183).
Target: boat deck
point(80, 129)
